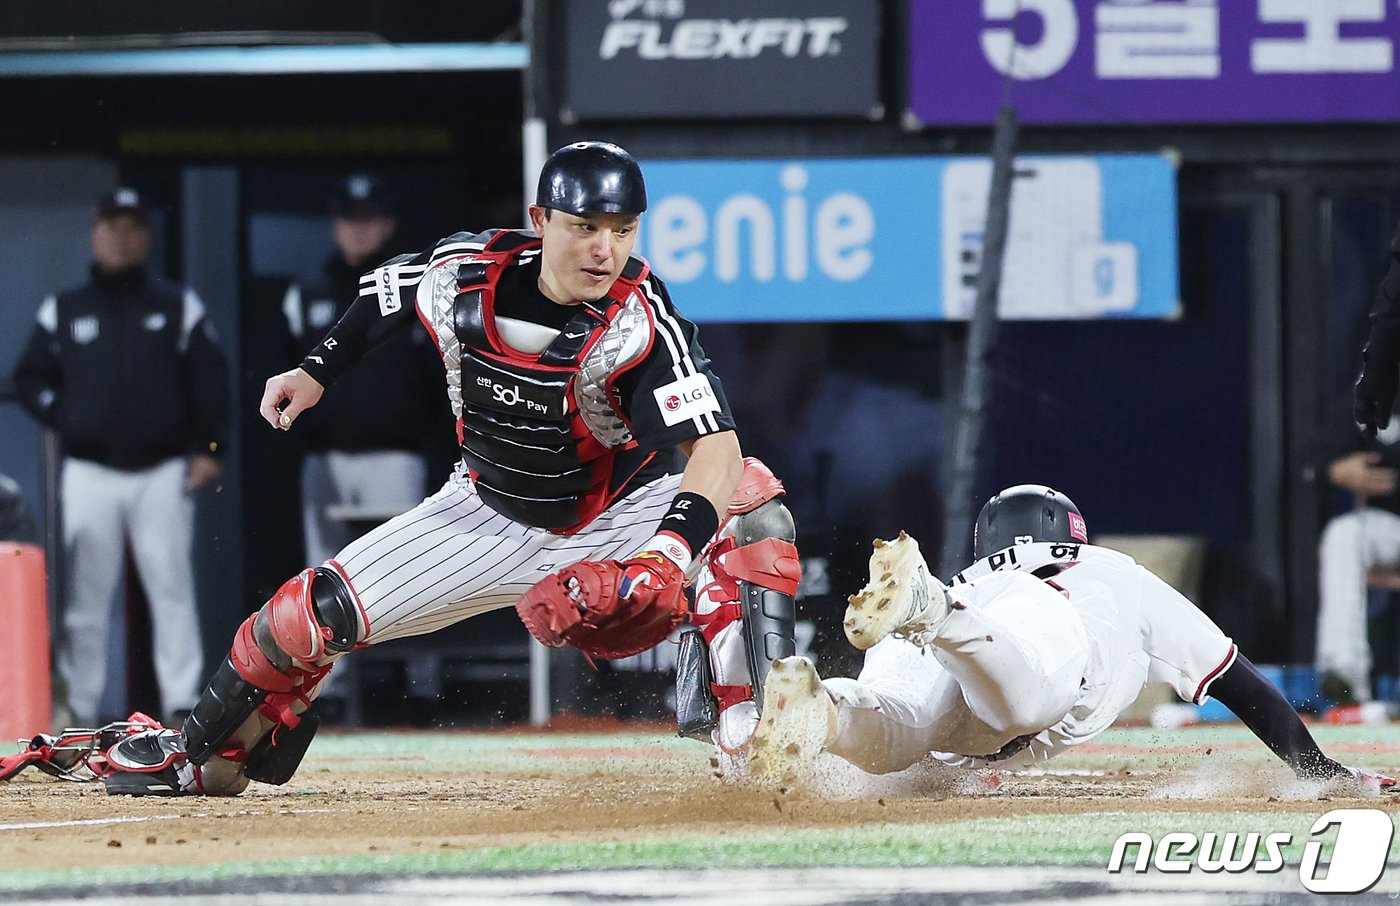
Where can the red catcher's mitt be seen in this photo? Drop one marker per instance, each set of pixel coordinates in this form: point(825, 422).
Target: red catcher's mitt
point(607, 608)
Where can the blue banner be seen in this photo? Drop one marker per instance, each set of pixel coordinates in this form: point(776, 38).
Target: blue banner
point(1155, 61)
point(869, 239)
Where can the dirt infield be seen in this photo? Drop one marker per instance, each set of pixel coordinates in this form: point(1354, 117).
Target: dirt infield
point(599, 814)
point(339, 810)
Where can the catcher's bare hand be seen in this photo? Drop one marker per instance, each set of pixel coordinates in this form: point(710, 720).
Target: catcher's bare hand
point(297, 389)
point(607, 608)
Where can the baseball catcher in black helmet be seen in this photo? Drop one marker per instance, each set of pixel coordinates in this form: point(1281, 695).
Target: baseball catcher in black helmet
point(1024, 514)
point(592, 178)
point(574, 379)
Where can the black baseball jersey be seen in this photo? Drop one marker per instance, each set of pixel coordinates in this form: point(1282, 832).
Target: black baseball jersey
point(127, 369)
point(561, 409)
point(391, 400)
point(1385, 311)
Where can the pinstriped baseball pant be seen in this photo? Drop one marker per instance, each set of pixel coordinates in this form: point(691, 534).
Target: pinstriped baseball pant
point(453, 557)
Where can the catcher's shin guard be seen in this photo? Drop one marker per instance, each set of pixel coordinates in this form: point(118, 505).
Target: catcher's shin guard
point(277, 755)
point(750, 577)
point(768, 570)
point(227, 702)
point(279, 657)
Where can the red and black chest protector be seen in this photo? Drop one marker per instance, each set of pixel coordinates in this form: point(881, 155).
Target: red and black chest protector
point(531, 455)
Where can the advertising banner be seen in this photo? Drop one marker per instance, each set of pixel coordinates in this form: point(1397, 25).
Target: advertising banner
point(1154, 61)
point(870, 239)
point(720, 59)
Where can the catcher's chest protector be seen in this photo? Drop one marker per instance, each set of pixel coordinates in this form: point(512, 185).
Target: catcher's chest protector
point(538, 431)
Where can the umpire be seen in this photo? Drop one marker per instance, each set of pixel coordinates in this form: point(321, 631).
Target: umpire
point(126, 368)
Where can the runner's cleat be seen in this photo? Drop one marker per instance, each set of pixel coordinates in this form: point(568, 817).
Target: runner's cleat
point(902, 597)
point(798, 722)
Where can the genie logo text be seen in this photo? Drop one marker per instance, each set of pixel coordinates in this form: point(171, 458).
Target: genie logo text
point(1360, 847)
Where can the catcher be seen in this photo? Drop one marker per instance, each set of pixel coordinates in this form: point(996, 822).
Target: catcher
point(1036, 647)
point(574, 381)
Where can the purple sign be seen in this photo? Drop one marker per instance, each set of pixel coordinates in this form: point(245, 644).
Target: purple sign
point(1155, 61)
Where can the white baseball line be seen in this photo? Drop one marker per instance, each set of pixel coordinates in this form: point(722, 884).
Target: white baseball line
point(37, 825)
point(135, 819)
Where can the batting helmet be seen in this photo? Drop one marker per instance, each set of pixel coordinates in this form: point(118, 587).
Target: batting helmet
point(592, 178)
point(1023, 514)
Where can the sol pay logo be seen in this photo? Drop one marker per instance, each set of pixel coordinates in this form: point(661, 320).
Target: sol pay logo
point(1358, 854)
point(509, 396)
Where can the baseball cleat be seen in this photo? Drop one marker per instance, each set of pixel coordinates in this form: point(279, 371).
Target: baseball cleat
point(150, 763)
point(902, 597)
point(798, 722)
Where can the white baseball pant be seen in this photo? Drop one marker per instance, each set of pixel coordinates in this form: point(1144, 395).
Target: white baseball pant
point(453, 557)
point(1008, 663)
point(103, 508)
point(1351, 544)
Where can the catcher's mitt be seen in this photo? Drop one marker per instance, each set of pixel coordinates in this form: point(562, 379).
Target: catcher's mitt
point(607, 608)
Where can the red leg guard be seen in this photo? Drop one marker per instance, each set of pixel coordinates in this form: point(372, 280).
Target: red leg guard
point(757, 485)
point(772, 563)
point(290, 618)
point(254, 666)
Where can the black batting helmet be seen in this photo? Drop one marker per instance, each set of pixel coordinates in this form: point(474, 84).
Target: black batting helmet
point(592, 178)
point(1023, 514)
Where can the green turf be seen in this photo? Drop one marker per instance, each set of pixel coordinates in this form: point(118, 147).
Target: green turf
point(402, 753)
point(1086, 840)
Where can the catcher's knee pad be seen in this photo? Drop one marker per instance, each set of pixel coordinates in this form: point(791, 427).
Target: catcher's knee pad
point(750, 576)
point(279, 656)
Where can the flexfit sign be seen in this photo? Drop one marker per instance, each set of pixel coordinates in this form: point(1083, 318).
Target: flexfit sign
point(1155, 61)
point(665, 59)
point(900, 238)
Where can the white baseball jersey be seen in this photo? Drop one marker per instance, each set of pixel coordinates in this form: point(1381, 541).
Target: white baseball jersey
point(1045, 647)
point(1140, 630)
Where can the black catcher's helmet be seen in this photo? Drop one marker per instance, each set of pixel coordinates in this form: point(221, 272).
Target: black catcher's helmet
point(592, 178)
point(1023, 514)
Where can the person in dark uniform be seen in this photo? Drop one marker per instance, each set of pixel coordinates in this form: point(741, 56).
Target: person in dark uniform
point(127, 369)
point(365, 438)
point(1364, 537)
point(1374, 395)
point(575, 382)
point(1358, 541)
